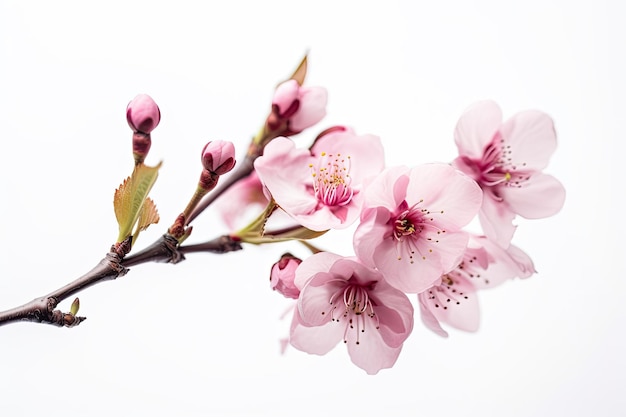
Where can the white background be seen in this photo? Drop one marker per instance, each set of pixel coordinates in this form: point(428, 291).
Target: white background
point(201, 337)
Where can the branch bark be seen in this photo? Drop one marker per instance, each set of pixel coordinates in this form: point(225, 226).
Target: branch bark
point(43, 309)
point(243, 169)
point(112, 266)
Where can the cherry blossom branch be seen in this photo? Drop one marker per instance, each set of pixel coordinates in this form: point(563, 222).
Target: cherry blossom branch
point(43, 309)
point(112, 266)
point(294, 108)
point(217, 160)
point(166, 250)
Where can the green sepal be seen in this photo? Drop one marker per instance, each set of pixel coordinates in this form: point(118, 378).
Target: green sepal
point(285, 235)
point(257, 227)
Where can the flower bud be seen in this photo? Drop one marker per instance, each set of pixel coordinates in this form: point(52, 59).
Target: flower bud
point(283, 275)
point(218, 157)
point(285, 99)
point(295, 108)
point(143, 114)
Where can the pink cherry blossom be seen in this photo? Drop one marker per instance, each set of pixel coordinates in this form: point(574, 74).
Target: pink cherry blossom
point(321, 188)
point(342, 299)
point(454, 301)
point(507, 159)
point(283, 274)
point(296, 107)
point(411, 223)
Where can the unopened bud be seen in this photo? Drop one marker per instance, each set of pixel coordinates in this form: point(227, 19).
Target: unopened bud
point(295, 108)
point(143, 114)
point(75, 306)
point(218, 157)
point(283, 275)
point(286, 100)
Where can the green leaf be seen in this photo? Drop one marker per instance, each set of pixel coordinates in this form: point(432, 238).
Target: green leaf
point(148, 215)
point(130, 197)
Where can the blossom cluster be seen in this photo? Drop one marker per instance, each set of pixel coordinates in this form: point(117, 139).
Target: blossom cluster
point(411, 243)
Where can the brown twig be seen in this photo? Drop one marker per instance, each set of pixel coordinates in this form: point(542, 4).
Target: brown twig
point(112, 266)
point(243, 169)
point(42, 309)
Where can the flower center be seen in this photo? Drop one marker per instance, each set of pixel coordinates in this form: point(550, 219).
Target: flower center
point(497, 166)
point(414, 231)
point(404, 226)
point(331, 180)
point(446, 293)
point(468, 270)
point(351, 304)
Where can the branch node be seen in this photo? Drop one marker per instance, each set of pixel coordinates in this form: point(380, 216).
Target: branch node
point(170, 243)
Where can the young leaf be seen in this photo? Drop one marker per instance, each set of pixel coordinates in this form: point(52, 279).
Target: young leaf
point(129, 198)
point(149, 215)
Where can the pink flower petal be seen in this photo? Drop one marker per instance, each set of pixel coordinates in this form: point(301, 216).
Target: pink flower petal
point(541, 196)
point(283, 169)
point(476, 128)
point(524, 265)
point(395, 314)
point(312, 108)
point(366, 152)
point(313, 306)
point(395, 179)
point(417, 275)
point(284, 96)
point(532, 139)
point(459, 309)
point(503, 263)
point(370, 234)
point(318, 340)
point(428, 318)
point(452, 198)
point(246, 194)
point(321, 261)
point(496, 219)
point(372, 354)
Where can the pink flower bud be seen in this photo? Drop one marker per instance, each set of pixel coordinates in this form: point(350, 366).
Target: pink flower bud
point(295, 108)
point(286, 99)
point(143, 114)
point(283, 275)
point(218, 157)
